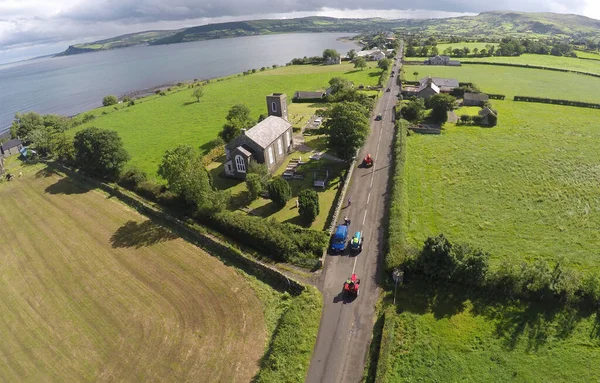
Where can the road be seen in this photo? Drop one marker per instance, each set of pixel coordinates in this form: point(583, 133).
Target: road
point(346, 326)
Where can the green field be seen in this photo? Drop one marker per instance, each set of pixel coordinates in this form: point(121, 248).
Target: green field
point(471, 46)
point(570, 63)
point(588, 55)
point(528, 188)
point(93, 291)
point(452, 336)
point(156, 123)
point(512, 81)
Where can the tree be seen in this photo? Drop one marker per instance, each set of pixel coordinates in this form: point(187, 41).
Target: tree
point(254, 186)
point(435, 51)
point(238, 118)
point(64, 149)
point(414, 110)
point(416, 74)
point(330, 54)
point(99, 152)
point(475, 51)
point(424, 51)
point(257, 179)
point(347, 128)
point(351, 54)
point(384, 64)
point(360, 62)
point(198, 93)
point(110, 100)
point(441, 104)
point(337, 84)
point(308, 205)
point(279, 191)
point(182, 168)
point(24, 124)
point(410, 51)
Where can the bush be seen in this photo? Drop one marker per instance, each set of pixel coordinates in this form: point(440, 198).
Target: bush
point(279, 191)
point(131, 103)
point(281, 242)
point(150, 190)
point(131, 178)
point(290, 351)
point(110, 100)
point(308, 201)
point(254, 185)
point(88, 117)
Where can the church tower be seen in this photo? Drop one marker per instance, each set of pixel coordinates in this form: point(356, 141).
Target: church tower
point(277, 105)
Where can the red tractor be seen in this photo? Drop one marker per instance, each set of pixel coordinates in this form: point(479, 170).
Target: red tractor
point(368, 161)
point(352, 285)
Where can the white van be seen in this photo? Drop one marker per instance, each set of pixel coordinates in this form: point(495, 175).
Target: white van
point(317, 121)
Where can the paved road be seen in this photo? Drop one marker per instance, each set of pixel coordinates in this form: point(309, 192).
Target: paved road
point(346, 326)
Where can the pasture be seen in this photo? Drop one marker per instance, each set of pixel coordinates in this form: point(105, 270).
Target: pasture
point(528, 188)
point(512, 81)
point(157, 123)
point(93, 291)
point(471, 46)
point(449, 335)
point(549, 61)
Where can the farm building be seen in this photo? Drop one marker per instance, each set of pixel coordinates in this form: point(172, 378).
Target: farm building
point(11, 147)
point(300, 96)
point(475, 99)
point(441, 60)
point(489, 116)
point(268, 142)
point(429, 86)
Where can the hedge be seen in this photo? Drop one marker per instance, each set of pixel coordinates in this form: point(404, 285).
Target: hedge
point(291, 348)
point(544, 100)
point(496, 96)
point(396, 251)
point(531, 67)
point(282, 242)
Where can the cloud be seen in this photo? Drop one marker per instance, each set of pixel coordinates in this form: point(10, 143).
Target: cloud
point(35, 25)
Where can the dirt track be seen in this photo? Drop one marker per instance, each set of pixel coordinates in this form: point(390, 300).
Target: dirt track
point(93, 291)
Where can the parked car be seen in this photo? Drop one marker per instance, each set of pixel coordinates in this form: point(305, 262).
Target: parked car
point(378, 118)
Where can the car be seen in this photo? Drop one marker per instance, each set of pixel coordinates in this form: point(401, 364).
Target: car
point(388, 89)
point(378, 118)
point(339, 239)
point(356, 243)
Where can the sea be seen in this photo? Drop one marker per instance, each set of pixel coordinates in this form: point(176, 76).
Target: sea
point(70, 85)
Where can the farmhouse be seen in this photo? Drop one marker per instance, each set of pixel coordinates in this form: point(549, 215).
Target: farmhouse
point(475, 99)
point(268, 142)
point(441, 60)
point(333, 60)
point(372, 55)
point(11, 147)
point(429, 86)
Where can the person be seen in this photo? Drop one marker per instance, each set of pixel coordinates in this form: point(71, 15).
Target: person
point(349, 201)
point(347, 221)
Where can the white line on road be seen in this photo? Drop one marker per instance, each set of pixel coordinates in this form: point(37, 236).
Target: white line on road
point(372, 175)
point(364, 217)
point(368, 197)
point(354, 267)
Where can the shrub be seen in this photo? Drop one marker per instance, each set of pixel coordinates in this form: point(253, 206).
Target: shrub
point(110, 100)
point(131, 178)
point(131, 103)
point(150, 190)
point(88, 117)
point(254, 185)
point(308, 201)
point(157, 91)
point(279, 191)
point(126, 99)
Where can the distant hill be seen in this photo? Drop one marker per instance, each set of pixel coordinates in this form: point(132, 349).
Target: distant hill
point(486, 24)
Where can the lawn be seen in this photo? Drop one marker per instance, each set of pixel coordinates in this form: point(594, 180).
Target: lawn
point(528, 188)
point(512, 81)
point(158, 123)
point(453, 336)
point(588, 55)
point(549, 61)
point(93, 291)
point(468, 110)
point(471, 46)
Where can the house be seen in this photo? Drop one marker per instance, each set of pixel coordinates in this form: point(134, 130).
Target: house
point(267, 142)
point(378, 55)
point(306, 96)
point(446, 85)
point(333, 60)
point(11, 147)
point(475, 99)
point(441, 60)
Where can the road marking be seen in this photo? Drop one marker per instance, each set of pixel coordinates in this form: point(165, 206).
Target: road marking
point(354, 267)
point(368, 197)
point(364, 217)
point(372, 175)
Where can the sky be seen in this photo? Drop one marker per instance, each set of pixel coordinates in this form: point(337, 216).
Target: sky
point(30, 28)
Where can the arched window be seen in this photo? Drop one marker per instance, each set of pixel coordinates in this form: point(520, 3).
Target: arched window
point(240, 164)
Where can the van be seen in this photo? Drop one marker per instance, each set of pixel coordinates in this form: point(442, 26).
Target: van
point(317, 121)
point(340, 238)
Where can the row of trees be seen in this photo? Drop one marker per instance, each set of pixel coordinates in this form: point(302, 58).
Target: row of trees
point(440, 104)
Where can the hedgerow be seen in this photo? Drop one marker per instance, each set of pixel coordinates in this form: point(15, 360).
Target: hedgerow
point(545, 100)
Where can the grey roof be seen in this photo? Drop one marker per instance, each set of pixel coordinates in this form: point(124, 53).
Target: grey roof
point(485, 111)
point(441, 82)
point(244, 151)
point(268, 130)
point(308, 95)
point(11, 144)
point(476, 96)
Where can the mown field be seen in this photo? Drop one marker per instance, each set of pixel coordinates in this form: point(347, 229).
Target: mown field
point(158, 123)
point(549, 61)
point(471, 46)
point(512, 81)
point(588, 55)
point(528, 188)
point(452, 336)
point(93, 291)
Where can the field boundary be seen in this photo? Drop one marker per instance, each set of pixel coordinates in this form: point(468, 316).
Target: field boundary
point(197, 235)
point(554, 101)
point(531, 67)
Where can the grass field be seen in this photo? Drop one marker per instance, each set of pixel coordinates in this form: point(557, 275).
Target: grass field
point(588, 55)
point(512, 81)
point(92, 291)
point(528, 188)
point(471, 46)
point(570, 63)
point(155, 124)
point(453, 336)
